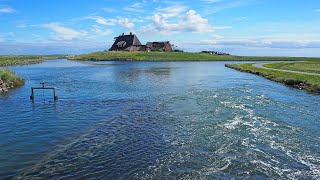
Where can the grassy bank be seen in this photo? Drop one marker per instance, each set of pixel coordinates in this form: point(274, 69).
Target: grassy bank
point(301, 81)
point(9, 79)
point(177, 56)
point(310, 67)
point(21, 60)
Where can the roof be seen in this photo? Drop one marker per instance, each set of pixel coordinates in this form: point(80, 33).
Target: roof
point(161, 43)
point(157, 45)
point(124, 41)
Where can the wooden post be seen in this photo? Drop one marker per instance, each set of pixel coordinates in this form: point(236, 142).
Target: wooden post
point(55, 97)
point(32, 94)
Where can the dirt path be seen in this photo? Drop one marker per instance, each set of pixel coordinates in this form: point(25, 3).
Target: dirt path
point(261, 65)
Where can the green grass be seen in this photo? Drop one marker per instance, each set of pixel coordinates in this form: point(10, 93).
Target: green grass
point(308, 82)
point(11, 78)
point(16, 60)
point(177, 56)
point(311, 67)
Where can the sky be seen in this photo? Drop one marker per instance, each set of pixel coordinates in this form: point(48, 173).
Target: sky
point(239, 27)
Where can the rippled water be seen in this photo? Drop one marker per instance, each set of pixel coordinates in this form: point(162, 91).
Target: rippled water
point(157, 120)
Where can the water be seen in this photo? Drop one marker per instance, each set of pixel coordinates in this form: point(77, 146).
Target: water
point(157, 120)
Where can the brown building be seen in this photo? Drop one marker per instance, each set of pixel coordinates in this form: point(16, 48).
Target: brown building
point(159, 46)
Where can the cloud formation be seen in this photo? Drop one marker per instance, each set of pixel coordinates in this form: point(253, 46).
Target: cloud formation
point(124, 22)
point(64, 33)
point(7, 10)
point(190, 21)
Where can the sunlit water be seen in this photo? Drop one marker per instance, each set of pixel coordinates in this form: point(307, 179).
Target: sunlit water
point(157, 120)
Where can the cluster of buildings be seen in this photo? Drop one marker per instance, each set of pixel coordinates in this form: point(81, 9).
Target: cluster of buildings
point(216, 53)
point(131, 42)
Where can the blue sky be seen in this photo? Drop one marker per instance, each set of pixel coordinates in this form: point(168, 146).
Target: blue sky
point(241, 27)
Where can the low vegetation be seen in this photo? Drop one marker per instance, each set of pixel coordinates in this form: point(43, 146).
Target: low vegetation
point(21, 60)
point(310, 67)
point(301, 81)
point(177, 56)
point(9, 79)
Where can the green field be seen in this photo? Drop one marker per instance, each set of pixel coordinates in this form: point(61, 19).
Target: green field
point(310, 67)
point(10, 78)
point(177, 56)
point(302, 81)
point(20, 60)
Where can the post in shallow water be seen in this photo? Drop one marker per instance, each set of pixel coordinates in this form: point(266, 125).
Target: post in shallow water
point(55, 97)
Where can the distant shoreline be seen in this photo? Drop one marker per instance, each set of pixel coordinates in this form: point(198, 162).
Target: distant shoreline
point(25, 60)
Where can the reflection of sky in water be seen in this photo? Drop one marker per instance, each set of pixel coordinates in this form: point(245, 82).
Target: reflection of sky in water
point(157, 120)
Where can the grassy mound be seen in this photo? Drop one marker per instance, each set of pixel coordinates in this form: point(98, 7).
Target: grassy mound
point(176, 56)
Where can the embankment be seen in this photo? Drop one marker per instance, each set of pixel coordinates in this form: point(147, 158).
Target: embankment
point(309, 83)
point(9, 79)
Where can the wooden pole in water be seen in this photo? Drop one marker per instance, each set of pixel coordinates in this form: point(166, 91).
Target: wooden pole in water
point(55, 97)
point(32, 94)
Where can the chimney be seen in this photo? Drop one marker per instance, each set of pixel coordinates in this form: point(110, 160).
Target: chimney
point(130, 33)
point(122, 34)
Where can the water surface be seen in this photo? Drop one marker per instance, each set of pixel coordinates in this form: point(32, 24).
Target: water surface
point(157, 120)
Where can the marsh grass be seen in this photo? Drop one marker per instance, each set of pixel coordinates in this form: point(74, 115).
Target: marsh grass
point(310, 67)
point(302, 81)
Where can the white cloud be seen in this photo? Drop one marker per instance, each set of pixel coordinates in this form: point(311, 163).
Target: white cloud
point(7, 10)
point(124, 22)
point(171, 11)
point(191, 21)
point(101, 32)
point(317, 10)
point(64, 33)
point(102, 20)
point(136, 7)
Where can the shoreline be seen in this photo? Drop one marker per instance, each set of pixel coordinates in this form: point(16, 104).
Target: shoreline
point(23, 63)
point(294, 80)
point(25, 60)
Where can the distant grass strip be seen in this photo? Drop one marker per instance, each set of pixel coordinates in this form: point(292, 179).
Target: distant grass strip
point(310, 67)
point(21, 60)
point(301, 81)
point(177, 56)
point(9, 79)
